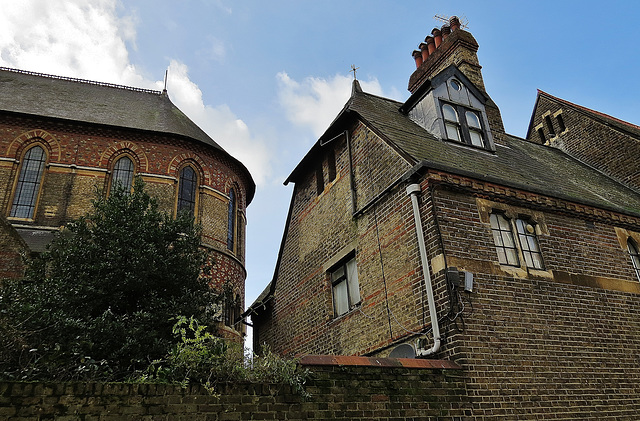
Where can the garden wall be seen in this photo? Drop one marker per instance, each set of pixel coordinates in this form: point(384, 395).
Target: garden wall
point(342, 388)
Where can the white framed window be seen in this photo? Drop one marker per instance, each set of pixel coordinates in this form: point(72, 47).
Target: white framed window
point(345, 287)
point(503, 240)
point(635, 256)
point(464, 125)
point(508, 249)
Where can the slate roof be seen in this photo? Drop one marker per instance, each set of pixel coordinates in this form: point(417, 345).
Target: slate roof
point(101, 103)
point(516, 162)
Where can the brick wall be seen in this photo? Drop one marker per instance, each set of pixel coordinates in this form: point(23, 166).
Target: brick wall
point(555, 343)
point(80, 158)
point(321, 231)
point(611, 148)
point(339, 391)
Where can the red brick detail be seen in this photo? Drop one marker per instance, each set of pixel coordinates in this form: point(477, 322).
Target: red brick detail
point(114, 150)
point(179, 161)
point(17, 146)
point(347, 360)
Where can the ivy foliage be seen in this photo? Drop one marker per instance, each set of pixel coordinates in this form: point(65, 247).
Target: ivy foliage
point(101, 302)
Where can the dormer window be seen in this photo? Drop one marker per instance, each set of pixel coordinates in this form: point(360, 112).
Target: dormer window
point(450, 107)
point(468, 129)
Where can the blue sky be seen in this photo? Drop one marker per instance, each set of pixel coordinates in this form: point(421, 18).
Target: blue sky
point(265, 78)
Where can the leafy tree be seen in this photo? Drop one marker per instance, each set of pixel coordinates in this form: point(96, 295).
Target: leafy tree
point(100, 303)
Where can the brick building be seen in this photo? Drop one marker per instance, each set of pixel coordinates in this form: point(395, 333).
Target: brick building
point(62, 140)
point(423, 229)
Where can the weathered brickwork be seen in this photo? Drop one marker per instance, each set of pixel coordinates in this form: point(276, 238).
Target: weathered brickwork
point(555, 337)
point(604, 142)
point(344, 392)
point(79, 162)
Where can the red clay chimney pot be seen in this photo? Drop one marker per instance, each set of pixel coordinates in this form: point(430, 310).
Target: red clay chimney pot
point(437, 36)
point(424, 48)
point(417, 56)
point(431, 44)
point(454, 23)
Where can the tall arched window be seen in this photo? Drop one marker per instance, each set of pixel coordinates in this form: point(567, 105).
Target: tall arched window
point(635, 256)
point(122, 174)
point(232, 220)
point(187, 187)
point(28, 186)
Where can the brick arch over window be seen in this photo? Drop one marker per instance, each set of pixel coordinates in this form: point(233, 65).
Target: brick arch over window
point(27, 139)
point(115, 151)
point(179, 161)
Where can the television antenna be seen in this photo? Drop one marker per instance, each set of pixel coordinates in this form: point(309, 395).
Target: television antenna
point(464, 22)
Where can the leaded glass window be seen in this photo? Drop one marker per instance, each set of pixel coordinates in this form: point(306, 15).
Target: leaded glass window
point(231, 220)
point(28, 186)
point(187, 187)
point(122, 174)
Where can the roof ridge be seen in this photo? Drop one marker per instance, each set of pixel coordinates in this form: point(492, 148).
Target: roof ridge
point(86, 81)
point(599, 113)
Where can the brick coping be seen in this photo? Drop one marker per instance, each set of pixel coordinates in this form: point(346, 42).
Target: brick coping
point(345, 360)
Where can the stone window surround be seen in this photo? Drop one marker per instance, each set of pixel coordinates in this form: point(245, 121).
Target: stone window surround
point(486, 207)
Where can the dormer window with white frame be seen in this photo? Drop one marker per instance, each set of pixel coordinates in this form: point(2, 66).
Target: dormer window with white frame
point(468, 129)
point(451, 108)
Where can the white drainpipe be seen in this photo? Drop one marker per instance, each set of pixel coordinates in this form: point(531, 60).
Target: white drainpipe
point(413, 190)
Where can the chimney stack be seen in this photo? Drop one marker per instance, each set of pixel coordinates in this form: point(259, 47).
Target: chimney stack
point(444, 47)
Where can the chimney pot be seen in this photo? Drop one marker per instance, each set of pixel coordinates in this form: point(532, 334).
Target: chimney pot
point(454, 23)
point(437, 36)
point(424, 49)
point(417, 56)
point(445, 30)
point(431, 44)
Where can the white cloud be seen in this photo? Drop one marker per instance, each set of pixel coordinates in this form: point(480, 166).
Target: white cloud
point(88, 39)
point(219, 122)
point(315, 102)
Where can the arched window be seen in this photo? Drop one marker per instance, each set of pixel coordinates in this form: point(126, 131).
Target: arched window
point(122, 174)
point(635, 256)
point(28, 186)
point(451, 122)
point(475, 128)
point(187, 187)
point(232, 220)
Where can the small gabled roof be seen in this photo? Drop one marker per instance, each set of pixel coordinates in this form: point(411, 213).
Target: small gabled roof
point(103, 104)
point(606, 119)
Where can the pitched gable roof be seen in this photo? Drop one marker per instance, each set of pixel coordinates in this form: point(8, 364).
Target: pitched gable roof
point(606, 119)
point(100, 103)
point(516, 163)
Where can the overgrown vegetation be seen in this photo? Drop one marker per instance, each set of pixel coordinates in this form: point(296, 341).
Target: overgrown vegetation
point(99, 303)
point(118, 296)
point(203, 358)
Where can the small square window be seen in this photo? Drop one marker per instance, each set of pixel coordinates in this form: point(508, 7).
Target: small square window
point(345, 287)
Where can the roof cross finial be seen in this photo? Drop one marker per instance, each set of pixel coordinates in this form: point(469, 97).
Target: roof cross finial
point(353, 69)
